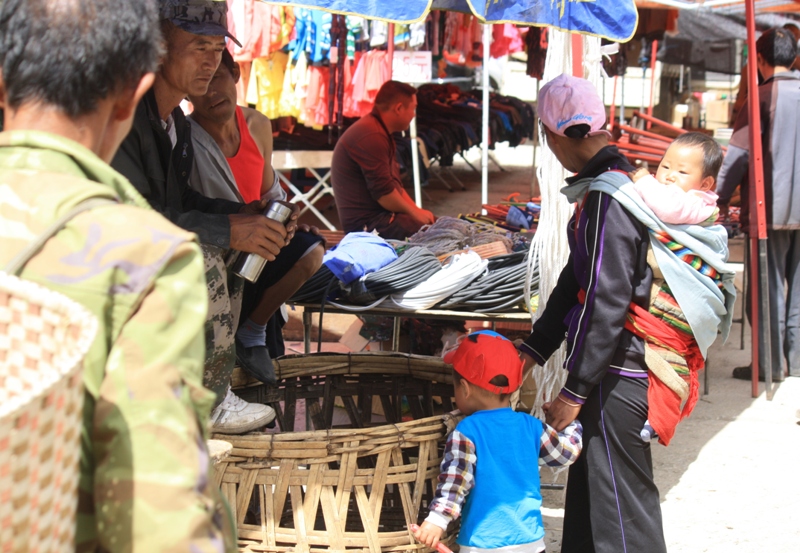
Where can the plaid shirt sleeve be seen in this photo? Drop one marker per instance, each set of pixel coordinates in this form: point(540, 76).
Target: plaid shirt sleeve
point(561, 448)
point(456, 478)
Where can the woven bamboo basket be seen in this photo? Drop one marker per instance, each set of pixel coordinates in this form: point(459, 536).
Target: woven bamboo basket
point(44, 338)
point(354, 488)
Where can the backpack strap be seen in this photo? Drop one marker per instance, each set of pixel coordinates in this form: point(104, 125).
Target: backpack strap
point(18, 262)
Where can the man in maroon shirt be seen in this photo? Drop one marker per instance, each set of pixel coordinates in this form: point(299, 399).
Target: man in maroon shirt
point(364, 172)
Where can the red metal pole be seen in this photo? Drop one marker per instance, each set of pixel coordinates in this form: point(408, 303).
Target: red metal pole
point(653, 52)
point(654, 136)
point(650, 119)
point(390, 48)
point(758, 226)
point(577, 55)
point(613, 106)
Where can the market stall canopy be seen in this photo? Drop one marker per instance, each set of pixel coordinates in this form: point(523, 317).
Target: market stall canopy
point(709, 26)
point(706, 39)
point(724, 6)
point(610, 19)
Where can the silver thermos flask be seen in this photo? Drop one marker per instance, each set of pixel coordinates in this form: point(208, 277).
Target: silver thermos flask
point(249, 265)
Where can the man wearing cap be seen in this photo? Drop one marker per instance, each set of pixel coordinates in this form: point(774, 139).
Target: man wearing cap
point(157, 158)
point(612, 503)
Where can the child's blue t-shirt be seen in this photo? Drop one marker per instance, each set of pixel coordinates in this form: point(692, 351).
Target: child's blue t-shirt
point(504, 505)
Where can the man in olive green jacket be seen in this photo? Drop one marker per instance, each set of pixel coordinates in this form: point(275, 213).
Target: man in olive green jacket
point(71, 74)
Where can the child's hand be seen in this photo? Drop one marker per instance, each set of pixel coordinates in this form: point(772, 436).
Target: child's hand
point(641, 172)
point(429, 534)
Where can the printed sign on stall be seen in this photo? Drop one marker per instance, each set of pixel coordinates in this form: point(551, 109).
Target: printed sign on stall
point(412, 67)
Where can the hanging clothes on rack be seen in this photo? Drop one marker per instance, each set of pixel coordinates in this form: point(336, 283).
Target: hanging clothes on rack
point(319, 38)
point(357, 32)
point(263, 28)
point(536, 47)
point(295, 89)
point(370, 74)
point(316, 105)
point(378, 31)
point(506, 39)
point(449, 121)
point(265, 86)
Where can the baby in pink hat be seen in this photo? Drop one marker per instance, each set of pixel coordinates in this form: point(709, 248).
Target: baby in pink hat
point(682, 191)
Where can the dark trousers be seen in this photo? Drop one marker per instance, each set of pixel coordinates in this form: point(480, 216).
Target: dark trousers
point(272, 273)
point(783, 262)
point(612, 503)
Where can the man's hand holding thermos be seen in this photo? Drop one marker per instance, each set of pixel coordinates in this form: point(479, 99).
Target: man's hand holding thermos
point(259, 231)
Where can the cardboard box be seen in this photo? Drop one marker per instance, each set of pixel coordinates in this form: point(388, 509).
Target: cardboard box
point(718, 112)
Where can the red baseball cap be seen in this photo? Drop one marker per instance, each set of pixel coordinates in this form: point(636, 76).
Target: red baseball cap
point(483, 355)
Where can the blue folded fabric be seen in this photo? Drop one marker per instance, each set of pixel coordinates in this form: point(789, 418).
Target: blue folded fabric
point(358, 254)
point(517, 218)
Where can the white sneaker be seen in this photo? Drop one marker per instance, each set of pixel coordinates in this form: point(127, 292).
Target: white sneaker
point(236, 416)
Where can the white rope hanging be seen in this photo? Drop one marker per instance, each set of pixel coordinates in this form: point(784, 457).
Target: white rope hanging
point(549, 247)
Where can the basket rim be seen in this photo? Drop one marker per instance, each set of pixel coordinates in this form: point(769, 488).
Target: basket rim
point(260, 440)
point(71, 361)
point(296, 363)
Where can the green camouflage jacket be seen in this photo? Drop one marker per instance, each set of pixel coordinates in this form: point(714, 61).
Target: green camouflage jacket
point(145, 481)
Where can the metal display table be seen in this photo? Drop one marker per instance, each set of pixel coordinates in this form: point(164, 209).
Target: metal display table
point(398, 314)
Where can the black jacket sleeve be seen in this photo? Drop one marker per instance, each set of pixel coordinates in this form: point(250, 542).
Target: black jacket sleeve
point(140, 161)
point(550, 328)
point(616, 245)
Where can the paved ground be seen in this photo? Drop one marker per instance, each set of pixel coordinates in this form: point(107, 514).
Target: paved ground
point(729, 480)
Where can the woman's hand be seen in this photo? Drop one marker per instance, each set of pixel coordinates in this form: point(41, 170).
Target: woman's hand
point(561, 412)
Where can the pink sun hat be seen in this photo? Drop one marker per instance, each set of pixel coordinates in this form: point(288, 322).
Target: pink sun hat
point(566, 101)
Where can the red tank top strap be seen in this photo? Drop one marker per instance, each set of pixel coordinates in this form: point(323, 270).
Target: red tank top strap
point(247, 165)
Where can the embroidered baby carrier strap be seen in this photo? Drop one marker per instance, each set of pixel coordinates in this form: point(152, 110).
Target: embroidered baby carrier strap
point(18, 262)
point(664, 306)
point(688, 256)
point(671, 354)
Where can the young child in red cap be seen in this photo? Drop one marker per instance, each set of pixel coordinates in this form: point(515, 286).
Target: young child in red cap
point(490, 471)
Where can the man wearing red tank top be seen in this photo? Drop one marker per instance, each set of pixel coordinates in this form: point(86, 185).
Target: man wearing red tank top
point(233, 153)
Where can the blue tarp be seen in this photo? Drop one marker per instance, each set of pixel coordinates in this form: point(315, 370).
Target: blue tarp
point(612, 19)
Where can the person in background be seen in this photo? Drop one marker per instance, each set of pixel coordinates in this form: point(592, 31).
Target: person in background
point(487, 479)
point(741, 95)
point(779, 98)
point(612, 502)
point(365, 174)
point(71, 75)
point(156, 157)
point(233, 153)
point(682, 191)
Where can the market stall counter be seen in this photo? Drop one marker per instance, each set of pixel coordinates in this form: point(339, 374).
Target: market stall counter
point(398, 314)
point(453, 270)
